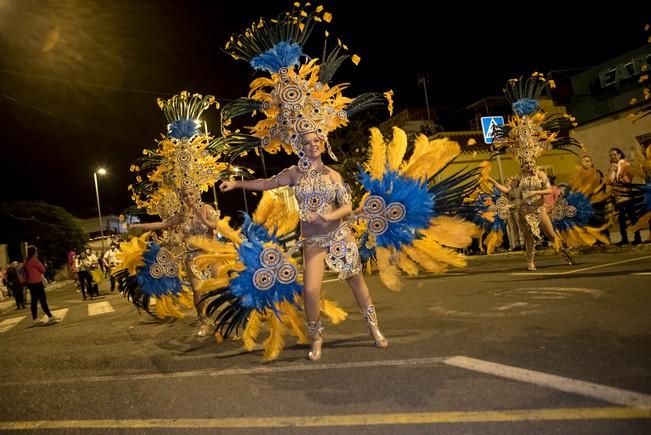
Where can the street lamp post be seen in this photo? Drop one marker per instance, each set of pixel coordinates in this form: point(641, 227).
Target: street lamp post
point(100, 171)
point(246, 204)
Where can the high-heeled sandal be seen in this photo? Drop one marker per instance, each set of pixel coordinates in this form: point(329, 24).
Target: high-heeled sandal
point(315, 331)
point(204, 330)
point(568, 259)
point(371, 320)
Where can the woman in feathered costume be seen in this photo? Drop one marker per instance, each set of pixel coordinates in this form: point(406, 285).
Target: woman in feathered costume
point(528, 134)
point(301, 109)
point(324, 201)
point(180, 169)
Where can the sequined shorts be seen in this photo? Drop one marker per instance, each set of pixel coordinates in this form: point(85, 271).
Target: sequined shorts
point(342, 256)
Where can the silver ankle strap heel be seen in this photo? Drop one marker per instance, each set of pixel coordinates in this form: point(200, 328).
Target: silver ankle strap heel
point(315, 331)
point(371, 320)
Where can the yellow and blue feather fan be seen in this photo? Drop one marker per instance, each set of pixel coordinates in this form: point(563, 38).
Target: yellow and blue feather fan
point(410, 218)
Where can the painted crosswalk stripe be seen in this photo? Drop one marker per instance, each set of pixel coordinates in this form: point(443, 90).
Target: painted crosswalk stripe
point(100, 308)
point(60, 314)
point(7, 324)
point(568, 385)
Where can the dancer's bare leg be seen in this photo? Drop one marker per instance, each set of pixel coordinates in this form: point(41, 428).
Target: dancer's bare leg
point(529, 243)
point(204, 327)
point(548, 229)
point(360, 290)
point(314, 267)
point(357, 284)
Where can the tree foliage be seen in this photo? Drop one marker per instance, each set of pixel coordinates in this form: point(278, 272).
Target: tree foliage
point(51, 229)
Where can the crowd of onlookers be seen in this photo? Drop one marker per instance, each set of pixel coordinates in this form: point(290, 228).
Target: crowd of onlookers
point(29, 279)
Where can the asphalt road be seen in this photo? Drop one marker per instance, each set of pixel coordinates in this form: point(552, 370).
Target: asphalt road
point(490, 349)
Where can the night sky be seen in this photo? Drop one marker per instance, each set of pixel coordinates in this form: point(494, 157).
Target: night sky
point(79, 79)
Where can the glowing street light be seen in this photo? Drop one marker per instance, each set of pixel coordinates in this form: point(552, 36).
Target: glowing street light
point(100, 171)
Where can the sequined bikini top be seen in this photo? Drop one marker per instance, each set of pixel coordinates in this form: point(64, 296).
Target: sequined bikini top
point(191, 225)
point(317, 194)
point(532, 182)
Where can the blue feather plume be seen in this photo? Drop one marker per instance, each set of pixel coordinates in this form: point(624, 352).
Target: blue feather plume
point(242, 286)
point(156, 287)
point(584, 212)
point(413, 195)
point(480, 206)
point(283, 54)
point(183, 128)
point(525, 106)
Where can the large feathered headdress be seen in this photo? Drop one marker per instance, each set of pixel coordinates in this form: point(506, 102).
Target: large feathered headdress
point(181, 160)
point(530, 132)
point(297, 97)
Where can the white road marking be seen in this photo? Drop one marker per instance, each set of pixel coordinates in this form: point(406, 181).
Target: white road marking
point(568, 272)
point(99, 308)
point(7, 324)
point(509, 306)
point(568, 385)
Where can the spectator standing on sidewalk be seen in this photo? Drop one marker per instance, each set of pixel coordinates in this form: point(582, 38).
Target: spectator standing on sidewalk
point(15, 282)
point(34, 271)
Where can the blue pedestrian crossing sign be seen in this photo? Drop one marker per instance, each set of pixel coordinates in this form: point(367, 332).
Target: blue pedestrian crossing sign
point(488, 124)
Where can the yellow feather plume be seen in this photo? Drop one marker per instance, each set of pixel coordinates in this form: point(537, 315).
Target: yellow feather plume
point(440, 152)
point(585, 181)
point(333, 311)
point(421, 146)
point(493, 240)
point(389, 273)
point(274, 344)
point(377, 158)
point(209, 284)
point(165, 307)
point(252, 330)
point(388, 95)
point(224, 228)
point(450, 231)
point(432, 256)
point(264, 209)
point(557, 244)
point(294, 322)
point(185, 299)
point(397, 148)
point(131, 253)
point(410, 268)
point(440, 253)
point(484, 174)
point(424, 260)
point(275, 213)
